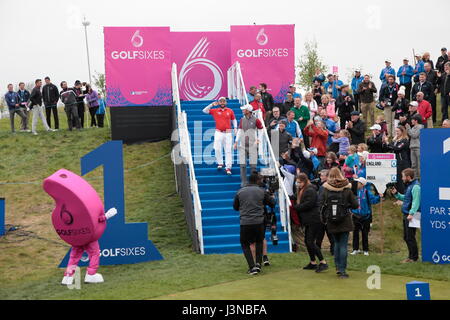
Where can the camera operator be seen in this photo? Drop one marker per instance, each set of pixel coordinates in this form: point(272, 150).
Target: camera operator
point(250, 201)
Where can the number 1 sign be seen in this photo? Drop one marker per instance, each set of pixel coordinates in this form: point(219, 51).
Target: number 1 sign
point(122, 243)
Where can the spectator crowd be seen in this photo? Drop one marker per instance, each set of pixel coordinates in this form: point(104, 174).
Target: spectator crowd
point(42, 102)
point(323, 149)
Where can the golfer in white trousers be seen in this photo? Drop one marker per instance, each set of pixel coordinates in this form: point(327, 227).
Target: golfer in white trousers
point(223, 137)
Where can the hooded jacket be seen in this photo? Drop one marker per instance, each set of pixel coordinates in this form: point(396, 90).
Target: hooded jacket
point(349, 199)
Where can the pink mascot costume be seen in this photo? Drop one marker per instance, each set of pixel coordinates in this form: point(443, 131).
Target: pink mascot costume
point(79, 219)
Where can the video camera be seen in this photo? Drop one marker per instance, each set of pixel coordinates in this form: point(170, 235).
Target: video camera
point(270, 180)
point(389, 187)
point(271, 184)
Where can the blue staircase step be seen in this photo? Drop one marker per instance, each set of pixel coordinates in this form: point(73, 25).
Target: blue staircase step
point(232, 186)
point(282, 247)
point(225, 229)
point(235, 238)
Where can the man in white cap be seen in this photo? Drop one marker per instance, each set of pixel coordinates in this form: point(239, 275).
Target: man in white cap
point(247, 139)
point(375, 141)
point(223, 137)
point(405, 74)
point(386, 71)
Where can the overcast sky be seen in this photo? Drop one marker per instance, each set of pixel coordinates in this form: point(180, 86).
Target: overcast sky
point(41, 38)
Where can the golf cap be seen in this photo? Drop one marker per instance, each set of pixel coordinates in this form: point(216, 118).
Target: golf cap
point(306, 154)
point(444, 49)
point(414, 104)
point(222, 98)
point(247, 107)
point(375, 127)
point(361, 180)
point(354, 113)
point(387, 60)
point(405, 59)
point(313, 150)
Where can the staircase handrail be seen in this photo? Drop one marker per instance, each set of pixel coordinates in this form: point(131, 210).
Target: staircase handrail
point(186, 154)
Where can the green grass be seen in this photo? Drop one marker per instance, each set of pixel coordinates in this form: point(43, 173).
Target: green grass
point(29, 256)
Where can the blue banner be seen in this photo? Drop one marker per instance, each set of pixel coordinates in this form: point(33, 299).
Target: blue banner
point(2, 216)
point(435, 196)
point(122, 243)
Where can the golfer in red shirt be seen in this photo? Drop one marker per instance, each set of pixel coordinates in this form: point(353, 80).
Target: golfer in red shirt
point(223, 137)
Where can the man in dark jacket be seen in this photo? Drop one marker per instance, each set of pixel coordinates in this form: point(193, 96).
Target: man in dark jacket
point(345, 104)
point(250, 201)
point(50, 96)
point(288, 104)
point(422, 86)
point(357, 128)
point(12, 100)
point(24, 99)
point(284, 138)
point(69, 98)
point(388, 96)
point(433, 79)
point(80, 101)
point(267, 99)
point(275, 119)
point(442, 60)
point(444, 88)
point(375, 141)
point(366, 91)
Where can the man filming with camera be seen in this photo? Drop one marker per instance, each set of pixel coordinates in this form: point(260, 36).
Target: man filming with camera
point(250, 201)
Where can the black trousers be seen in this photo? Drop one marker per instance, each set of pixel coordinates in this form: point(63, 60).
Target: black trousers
point(445, 101)
point(321, 236)
point(433, 106)
point(311, 233)
point(252, 233)
point(100, 120)
point(409, 235)
point(356, 97)
point(92, 111)
point(72, 116)
point(80, 109)
point(48, 113)
point(364, 228)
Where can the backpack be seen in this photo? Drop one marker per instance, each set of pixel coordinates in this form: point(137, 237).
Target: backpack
point(334, 208)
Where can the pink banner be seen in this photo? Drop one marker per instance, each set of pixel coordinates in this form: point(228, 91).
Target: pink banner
point(202, 59)
point(266, 54)
point(381, 156)
point(138, 65)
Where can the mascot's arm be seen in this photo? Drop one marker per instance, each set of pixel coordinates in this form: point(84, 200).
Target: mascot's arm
point(109, 214)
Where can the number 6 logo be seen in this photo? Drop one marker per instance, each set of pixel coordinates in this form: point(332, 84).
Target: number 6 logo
point(137, 39)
